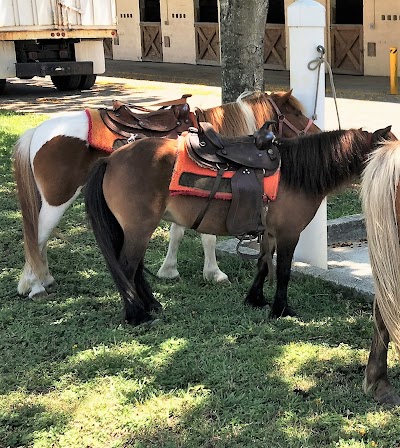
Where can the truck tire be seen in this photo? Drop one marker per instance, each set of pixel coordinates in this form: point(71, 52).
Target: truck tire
point(68, 82)
point(87, 82)
point(2, 85)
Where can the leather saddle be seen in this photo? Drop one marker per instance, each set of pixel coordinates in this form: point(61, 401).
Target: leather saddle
point(251, 158)
point(135, 122)
point(211, 150)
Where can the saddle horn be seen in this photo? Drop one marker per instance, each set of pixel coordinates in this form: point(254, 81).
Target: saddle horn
point(264, 137)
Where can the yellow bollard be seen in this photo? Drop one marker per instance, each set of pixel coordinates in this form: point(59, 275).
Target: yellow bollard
point(394, 80)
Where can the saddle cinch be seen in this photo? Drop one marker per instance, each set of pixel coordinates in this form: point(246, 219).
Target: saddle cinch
point(170, 120)
point(251, 158)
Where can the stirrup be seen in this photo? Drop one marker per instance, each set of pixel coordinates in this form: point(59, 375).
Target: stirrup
point(248, 238)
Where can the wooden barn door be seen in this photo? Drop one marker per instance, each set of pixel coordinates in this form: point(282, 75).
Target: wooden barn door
point(347, 31)
point(150, 30)
point(274, 47)
point(207, 32)
point(274, 37)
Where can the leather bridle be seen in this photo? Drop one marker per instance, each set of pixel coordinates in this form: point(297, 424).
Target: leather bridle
point(282, 120)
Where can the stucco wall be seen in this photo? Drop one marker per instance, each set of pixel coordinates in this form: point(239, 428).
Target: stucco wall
point(128, 19)
point(178, 34)
point(380, 34)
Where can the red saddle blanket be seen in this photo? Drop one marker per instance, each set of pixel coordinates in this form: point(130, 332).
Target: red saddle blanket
point(190, 179)
point(99, 136)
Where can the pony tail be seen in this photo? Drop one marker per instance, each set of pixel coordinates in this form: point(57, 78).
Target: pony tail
point(378, 193)
point(29, 201)
point(107, 231)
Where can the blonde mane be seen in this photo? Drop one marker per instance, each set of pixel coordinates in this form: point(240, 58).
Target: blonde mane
point(379, 198)
point(250, 111)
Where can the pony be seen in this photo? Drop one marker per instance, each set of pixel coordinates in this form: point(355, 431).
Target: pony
point(381, 205)
point(52, 162)
point(123, 215)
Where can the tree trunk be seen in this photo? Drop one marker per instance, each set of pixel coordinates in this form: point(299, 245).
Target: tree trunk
point(242, 27)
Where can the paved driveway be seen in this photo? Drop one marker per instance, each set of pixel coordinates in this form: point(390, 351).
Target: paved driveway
point(39, 95)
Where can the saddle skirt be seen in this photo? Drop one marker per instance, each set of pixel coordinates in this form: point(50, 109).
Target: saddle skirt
point(189, 178)
point(219, 173)
point(111, 128)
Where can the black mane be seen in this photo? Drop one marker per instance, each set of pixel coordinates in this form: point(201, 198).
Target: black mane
point(319, 163)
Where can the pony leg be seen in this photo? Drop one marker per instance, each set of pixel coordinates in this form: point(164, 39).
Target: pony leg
point(376, 379)
point(255, 296)
point(169, 267)
point(285, 251)
point(211, 270)
point(49, 217)
point(144, 290)
point(136, 294)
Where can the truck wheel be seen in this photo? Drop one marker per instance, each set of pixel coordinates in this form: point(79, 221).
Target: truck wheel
point(68, 82)
point(87, 82)
point(2, 85)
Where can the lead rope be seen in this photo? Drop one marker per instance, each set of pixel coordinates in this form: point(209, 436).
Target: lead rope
point(316, 64)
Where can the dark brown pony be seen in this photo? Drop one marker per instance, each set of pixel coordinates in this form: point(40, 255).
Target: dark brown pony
point(124, 214)
point(381, 204)
point(52, 162)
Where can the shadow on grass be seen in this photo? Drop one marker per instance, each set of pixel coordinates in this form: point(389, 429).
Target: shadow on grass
point(217, 372)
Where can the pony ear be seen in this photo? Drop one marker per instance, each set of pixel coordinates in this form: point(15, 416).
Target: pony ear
point(283, 99)
point(383, 134)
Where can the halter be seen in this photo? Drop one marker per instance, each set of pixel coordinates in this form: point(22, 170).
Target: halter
point(282, 120)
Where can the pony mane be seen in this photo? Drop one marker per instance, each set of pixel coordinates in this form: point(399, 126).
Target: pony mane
point(319, 163)
point(247, 114)
point(242, 117)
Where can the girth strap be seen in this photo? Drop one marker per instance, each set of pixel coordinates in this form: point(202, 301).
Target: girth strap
point(215, 187)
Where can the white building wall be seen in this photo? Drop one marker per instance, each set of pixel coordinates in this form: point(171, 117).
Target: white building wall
point(178, 34)
point(128, 45)
point(381, 32)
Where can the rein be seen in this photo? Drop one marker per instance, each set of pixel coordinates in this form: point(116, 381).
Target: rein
point(282, 120)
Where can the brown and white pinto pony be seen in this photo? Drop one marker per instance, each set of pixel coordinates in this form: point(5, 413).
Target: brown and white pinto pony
point(52, 162)
point(381, 204)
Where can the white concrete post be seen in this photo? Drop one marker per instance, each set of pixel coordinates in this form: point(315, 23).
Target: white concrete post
point(306, 22)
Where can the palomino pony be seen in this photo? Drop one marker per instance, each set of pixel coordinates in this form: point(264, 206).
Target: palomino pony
point(381, 204)
point(52, 162)
point(124, 215)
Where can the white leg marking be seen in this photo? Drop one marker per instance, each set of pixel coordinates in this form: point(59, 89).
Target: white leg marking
point(211, 271)
point(49, 217)
point(169, 267)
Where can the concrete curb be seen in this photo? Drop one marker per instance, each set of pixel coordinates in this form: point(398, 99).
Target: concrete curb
point(347, 228)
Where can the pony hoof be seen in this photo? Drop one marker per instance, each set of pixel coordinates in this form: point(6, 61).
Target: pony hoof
point(285, 312)
point(390, 400)
point(258, 302)
point(166, 274)
point(49, 280)
point(223, 281)
point(383, 392)
point(217, 277)
point(38, 293)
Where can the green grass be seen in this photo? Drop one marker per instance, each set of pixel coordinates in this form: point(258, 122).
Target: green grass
point(213, 373)
point(347, 202)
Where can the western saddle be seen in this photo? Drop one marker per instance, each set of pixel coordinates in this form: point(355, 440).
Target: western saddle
point(170, 120)
point(251, 158)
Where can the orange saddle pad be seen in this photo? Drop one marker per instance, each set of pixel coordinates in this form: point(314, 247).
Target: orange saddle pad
point(190, 179)
point(99, 136)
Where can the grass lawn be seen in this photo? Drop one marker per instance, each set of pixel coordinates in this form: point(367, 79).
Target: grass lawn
point(213, 373)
